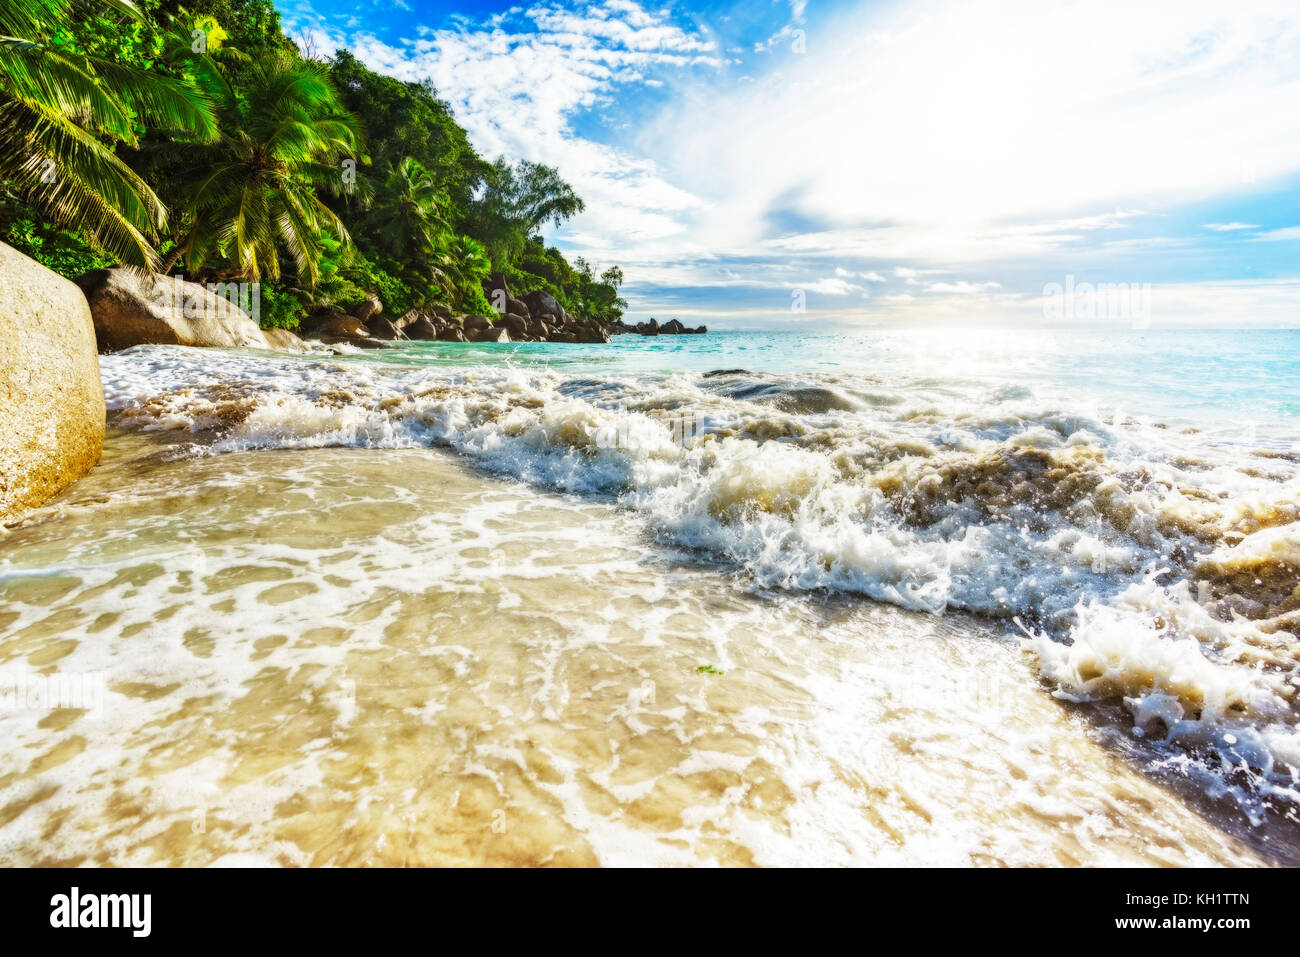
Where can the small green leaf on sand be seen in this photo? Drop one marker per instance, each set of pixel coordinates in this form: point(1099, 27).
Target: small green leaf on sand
point(707, 670)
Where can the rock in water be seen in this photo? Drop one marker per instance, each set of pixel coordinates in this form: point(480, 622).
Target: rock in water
point(517, 327)
point(131, 309)
point(51, 398)
point(493, 334)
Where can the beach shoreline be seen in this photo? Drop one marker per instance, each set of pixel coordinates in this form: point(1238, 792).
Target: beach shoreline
point(334, 597)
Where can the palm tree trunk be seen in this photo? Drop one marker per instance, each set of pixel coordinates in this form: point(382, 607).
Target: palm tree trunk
point(174, 255)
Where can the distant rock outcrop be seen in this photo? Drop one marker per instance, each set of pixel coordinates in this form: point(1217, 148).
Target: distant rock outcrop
point(673, 327)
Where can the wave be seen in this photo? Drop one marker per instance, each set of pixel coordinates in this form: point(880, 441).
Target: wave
point(1140, 566)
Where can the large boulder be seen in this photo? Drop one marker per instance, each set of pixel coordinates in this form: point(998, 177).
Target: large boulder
point(130, 308)
point(51, 397)
point(650, 328)
point(421, 330)
point(381, 328)
point(517, 307)
point(452, 334)
point(516, 326)
point(493, 334)
point(592, 332)
point(282, 340)
point(367, 308)
point(334, 325)
point(472, 324)
point(672, 327)
point(540, 303)
point(495, 285)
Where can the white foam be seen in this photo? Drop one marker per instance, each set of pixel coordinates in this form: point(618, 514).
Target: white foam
point(811, 515)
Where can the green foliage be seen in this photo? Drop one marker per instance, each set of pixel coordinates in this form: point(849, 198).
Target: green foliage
point(64, 252)
point(518, 200)
point(282, 306)
point(62, 110)
point(396, 295)
point(195, 127)
point(473, 301)
point(285, 136)
point(252, 26)
point(708, 670)
point(404, 119)
point(576, 287)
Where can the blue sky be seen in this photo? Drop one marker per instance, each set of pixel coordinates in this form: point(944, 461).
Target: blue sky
point(886, 162)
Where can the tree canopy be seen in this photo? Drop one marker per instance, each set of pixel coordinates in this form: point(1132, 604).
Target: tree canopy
point(194, 135)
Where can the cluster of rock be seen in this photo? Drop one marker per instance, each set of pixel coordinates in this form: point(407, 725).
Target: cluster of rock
point(538, 317)
point(672, 327)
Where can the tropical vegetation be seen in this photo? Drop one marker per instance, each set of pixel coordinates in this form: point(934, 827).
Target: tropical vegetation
point(199, 139)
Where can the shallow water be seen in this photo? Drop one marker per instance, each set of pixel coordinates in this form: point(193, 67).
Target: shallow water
point(462, 606)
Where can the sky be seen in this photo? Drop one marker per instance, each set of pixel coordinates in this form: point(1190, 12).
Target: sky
point(766, 162)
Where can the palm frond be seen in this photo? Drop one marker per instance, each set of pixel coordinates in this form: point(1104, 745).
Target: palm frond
point(46, 79)
point(161, 102)
point(75, 180)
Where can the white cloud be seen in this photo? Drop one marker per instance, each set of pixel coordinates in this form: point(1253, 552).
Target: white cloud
point(826, 287)
point(1229, 227)
point(1287, 234)
point(963, 287)
point(955, 118)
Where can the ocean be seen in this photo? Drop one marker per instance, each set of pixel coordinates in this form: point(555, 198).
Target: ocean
point(902, 596)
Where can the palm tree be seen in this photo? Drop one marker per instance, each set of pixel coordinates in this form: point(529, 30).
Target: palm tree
point(61, 113)
point(409, 212)
point(467, 261)
point(284, 136)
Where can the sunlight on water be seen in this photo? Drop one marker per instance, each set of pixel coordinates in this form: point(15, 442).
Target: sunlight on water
point(734, 599)
point(458, 670)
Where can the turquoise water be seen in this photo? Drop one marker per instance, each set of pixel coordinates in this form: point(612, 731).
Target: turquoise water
point(1124, 503)
point(1242, 385)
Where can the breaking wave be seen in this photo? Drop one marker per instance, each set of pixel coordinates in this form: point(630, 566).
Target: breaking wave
point(1140, 565)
